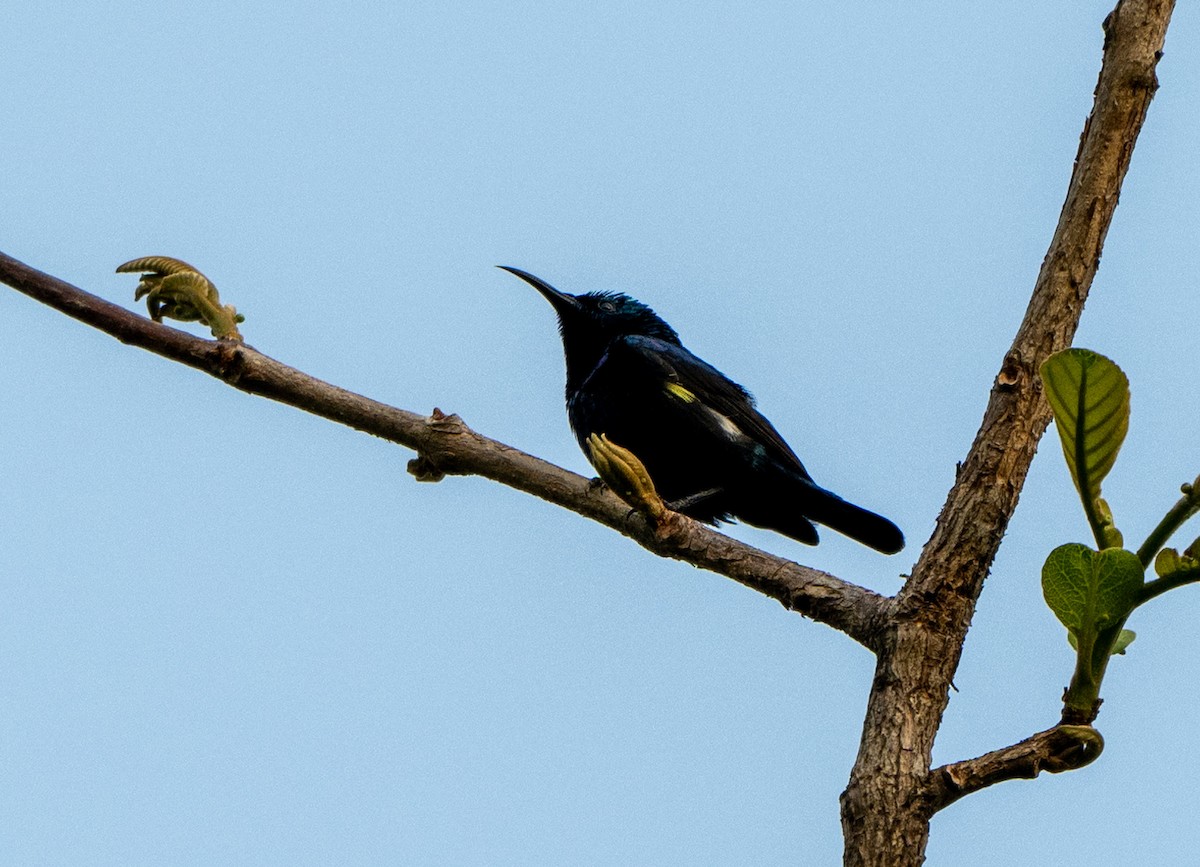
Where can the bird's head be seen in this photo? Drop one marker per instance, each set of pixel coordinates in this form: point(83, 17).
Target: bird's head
point(590, 323)
point(596, 319)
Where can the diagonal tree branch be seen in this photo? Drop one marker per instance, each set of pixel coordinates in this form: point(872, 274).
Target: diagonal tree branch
point(976, 513)
point(921, 651)
point(446, 446)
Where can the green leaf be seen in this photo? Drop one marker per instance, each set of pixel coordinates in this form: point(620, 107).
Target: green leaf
point(1169, 562)
point(1166, 562)
point(1089, 590)
point(1123, 641)
point(1090, 398)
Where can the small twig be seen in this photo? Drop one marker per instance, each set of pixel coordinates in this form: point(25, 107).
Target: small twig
point(1159, 586)
point(1187, 506)
point(1062, 748)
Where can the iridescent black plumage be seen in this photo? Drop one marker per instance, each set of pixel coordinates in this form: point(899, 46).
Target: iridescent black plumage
point(711, 454)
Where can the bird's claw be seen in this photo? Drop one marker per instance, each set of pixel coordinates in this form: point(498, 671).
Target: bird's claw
point(621, 470)
point(175, 290)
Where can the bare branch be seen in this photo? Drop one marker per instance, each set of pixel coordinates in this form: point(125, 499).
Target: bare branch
point(1062, 748)
point(919, 654)
point(972, 522)
point(446, 446)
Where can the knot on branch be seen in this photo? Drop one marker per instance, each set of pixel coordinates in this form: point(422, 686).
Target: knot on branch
point(435, 457)
point(229, 359)
point(671, 529)
point(1012, 372)
point(424, 470)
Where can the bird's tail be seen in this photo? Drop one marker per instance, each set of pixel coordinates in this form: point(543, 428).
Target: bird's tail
point(791, 504)
point(875, 531)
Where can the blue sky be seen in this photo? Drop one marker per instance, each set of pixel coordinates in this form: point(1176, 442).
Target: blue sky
point(233, 633)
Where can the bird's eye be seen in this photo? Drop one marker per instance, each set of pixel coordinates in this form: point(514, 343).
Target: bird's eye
point(608, 307)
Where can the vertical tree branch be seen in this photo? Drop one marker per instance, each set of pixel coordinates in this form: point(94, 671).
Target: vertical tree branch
point(884, 816)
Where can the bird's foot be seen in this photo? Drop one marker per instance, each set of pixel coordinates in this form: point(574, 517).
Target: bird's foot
point(692, 500)
point(621, 470)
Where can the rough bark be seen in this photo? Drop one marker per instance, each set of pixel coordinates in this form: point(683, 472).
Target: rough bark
point(885, 808)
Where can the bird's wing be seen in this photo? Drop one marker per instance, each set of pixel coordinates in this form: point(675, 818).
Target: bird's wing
point(693, 380)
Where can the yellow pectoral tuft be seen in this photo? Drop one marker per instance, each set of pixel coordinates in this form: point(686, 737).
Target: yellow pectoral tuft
point(680, 392)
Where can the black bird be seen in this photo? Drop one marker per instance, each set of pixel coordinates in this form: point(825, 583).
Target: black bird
point(709, 452)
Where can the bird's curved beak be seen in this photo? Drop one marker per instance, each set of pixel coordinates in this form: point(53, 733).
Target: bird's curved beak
point(560, 301)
